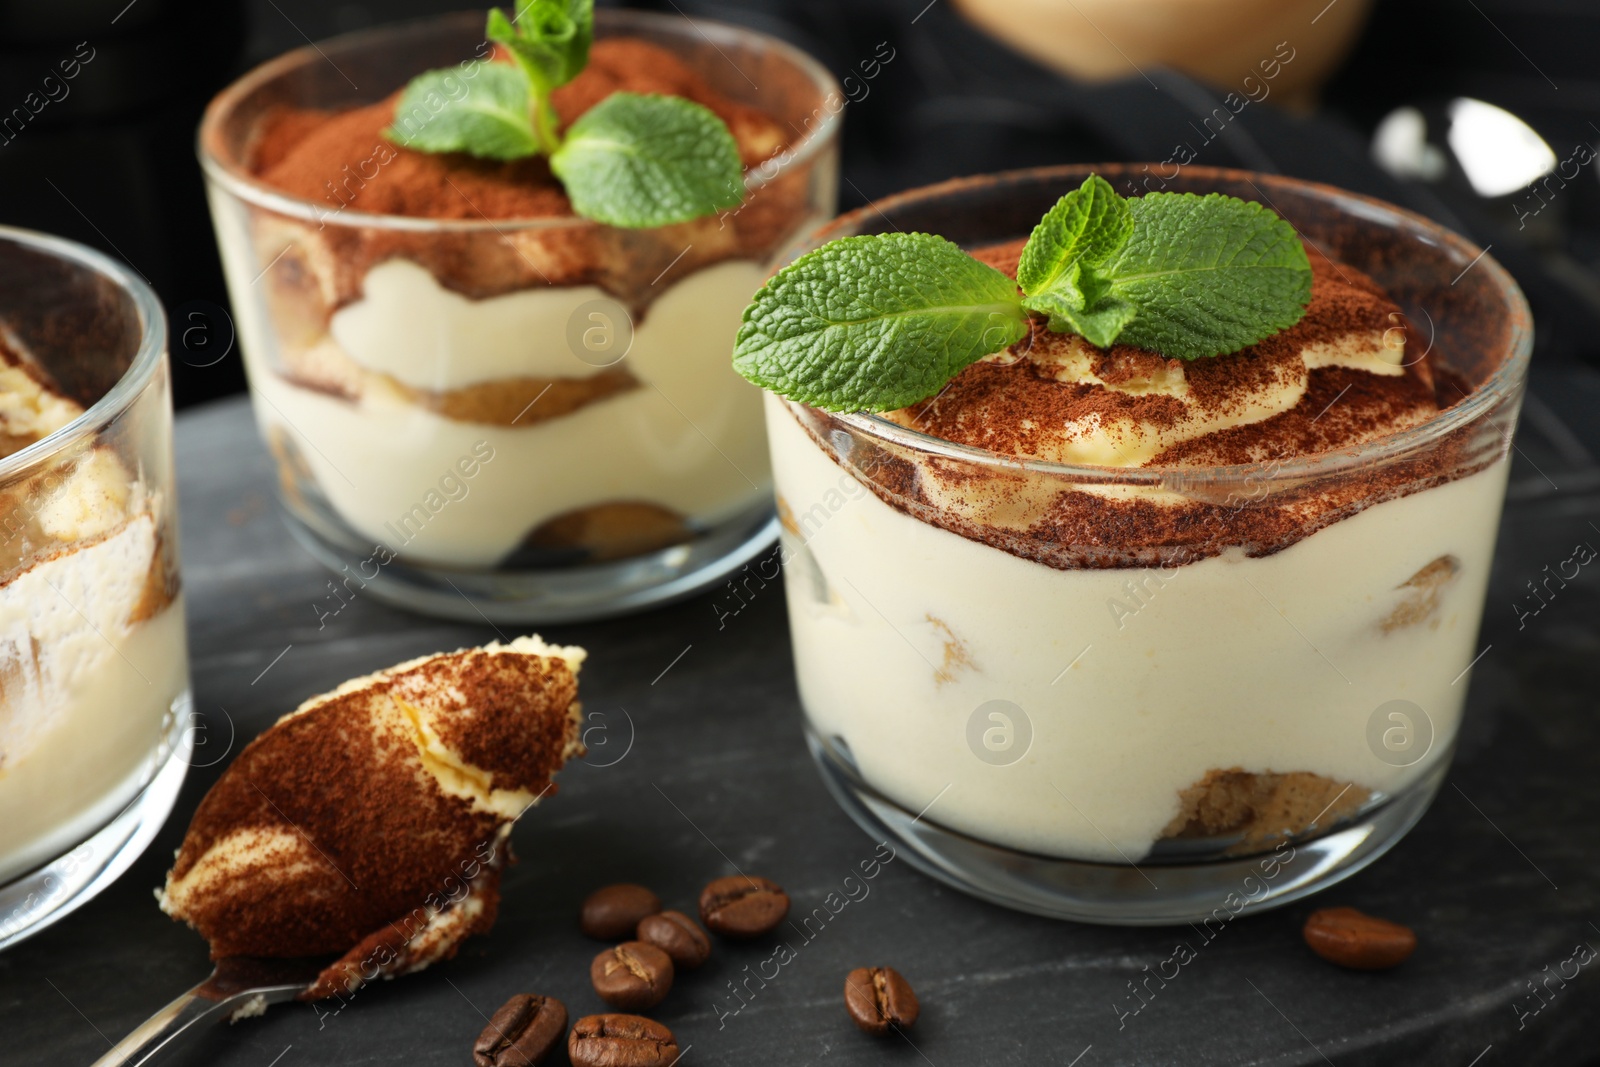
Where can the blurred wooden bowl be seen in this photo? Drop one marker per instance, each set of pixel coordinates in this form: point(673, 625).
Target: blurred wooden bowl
point(1220, 42)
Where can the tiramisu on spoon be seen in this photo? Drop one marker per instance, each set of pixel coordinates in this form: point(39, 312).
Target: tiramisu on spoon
point(363, 835)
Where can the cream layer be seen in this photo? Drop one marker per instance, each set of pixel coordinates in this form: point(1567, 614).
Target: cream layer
point(903, 630)
point(689, 438)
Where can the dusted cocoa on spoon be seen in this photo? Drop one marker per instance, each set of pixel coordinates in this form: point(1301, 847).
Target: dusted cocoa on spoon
point(371, 823)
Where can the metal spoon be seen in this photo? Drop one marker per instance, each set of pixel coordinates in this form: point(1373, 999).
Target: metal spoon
point(234, 986)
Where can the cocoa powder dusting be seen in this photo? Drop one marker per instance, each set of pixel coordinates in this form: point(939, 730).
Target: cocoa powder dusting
point(1027, 401)
point(343, 157)
point(343, 167)
point(1018, 405)
point(384, 838)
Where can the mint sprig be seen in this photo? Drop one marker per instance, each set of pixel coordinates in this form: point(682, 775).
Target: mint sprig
point(550, 42)
point(880, 322)
point(875, 322)
point(632, 160)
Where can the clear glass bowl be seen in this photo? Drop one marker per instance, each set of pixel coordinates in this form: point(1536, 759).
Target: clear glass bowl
point(94, 678)
point(1090, 720)
point(514, 419)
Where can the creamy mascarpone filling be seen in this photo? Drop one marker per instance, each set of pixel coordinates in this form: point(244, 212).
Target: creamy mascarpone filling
point(1135, 682)
point(29, 411)
point(87, 693)
point(689, 438)
point(92, 656)
point(409, 326)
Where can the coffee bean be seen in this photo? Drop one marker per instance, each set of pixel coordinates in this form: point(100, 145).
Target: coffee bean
point(521, 1033)
point(743, 906)
point(1354, 939)
point(678, 936)
point(632, 976)
point(621, 1041)
point(613, 912)
point(875, 997)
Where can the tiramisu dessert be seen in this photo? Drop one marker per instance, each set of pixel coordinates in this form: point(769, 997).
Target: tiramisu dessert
point(92, 654)
point(1127, 580)
point(371, 823)
point(491, 342)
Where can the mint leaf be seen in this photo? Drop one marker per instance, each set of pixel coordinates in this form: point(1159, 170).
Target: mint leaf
point(1101, 323)
point(1184, 275)
point(875, 322)
point(635, 160)
point(1208, 274)
point(1085, 227)
point(486, 115)
point(1081, 300)
point(550, 39)
point(631, 160)
point(882, 322)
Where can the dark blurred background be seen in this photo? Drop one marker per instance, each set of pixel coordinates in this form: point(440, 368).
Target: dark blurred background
point(108, 159)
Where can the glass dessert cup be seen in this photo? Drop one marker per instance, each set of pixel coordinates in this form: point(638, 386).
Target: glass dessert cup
point(94, 685)
point(400, 365)
point(1244, 696)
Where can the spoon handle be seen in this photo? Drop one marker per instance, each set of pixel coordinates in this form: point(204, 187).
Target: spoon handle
point(178, 1024)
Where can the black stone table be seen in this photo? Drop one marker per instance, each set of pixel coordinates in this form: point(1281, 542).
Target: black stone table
point(1501, 879)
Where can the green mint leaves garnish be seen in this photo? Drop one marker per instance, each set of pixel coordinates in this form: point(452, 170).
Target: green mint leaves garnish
point(881, 322)
point(632, 160)
point(655, 158)
point(487, 116)
point(1184, 275)
point(550, 42)
point(1208, 274)
point(876, 322)
point(1061, 269)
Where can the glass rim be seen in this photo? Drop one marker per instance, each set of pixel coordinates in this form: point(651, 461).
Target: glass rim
point(149, 356)
point(1503, 383)
point(240, 183)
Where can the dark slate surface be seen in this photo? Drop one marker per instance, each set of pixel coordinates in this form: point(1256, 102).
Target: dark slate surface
point(1500, 878)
